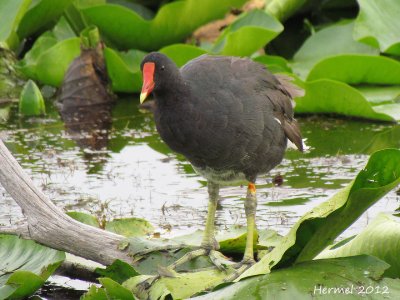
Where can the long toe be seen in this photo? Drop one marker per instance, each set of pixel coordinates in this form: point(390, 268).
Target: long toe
point(217, 258)
point(239, 269)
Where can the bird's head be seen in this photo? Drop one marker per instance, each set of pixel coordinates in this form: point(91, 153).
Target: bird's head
point(158, 72)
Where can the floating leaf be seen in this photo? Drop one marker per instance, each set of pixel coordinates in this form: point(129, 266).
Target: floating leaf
point(340, 278)
point(84, 218)
point(25, 266)
point(41, 15)
point(181, 287)
point(274, 63)
point(173, 22)
point(378, 24)
point(31, 101)
point(118, 271)
point(48, 60)
point(182, 53)
point(330, 41)
point(130, 227)
point(380, 238)
point(116, 291)
point(358, 69)
point(11, 12)
point(95, 293)
point(328, 96)
point(124, 69)
point(318, 228)
point(283, 9)
point(249, 33)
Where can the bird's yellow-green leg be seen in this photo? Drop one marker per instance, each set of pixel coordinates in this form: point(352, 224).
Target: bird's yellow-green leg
point(209, 241)
point(209, 245)
point(250, 207)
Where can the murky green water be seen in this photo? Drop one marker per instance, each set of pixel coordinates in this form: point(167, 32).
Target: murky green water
point(125, 170)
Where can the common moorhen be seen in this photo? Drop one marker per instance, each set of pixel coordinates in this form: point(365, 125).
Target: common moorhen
point(230, 117)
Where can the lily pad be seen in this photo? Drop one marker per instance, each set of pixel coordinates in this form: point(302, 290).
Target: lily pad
point(182, 53)
point(318, 228)
point(380, 238)
point(130, 227)
point(118, 271)
point(330, 41)
point(181, 287)
point(329, 96)
point(41, 16)
point(172, 23)
point(249, 33)
point(48, 60)
point(84, 218)
point(116, 291)
point(124, 69)
point(340, 278)
point(358, 69)
point(25, 266)
point(378, 24)
point(11, 13)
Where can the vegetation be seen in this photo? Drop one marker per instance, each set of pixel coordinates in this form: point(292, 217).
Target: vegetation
point(345, 54)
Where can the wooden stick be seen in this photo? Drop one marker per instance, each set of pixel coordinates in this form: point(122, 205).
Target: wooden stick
point(48, 225)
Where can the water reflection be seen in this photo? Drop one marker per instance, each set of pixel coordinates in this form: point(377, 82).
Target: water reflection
point(89, 127)
point(114, 163)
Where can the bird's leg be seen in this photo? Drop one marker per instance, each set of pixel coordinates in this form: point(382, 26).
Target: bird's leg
point(209, 245)
point(250, 207)
point(209, 241)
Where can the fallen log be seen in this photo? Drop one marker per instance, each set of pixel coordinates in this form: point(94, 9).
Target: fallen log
point(49, 225)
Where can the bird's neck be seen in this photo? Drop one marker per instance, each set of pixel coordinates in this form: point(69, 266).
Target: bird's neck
point(173, 93)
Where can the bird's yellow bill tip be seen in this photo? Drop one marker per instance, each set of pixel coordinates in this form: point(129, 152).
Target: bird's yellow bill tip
point(143, 96)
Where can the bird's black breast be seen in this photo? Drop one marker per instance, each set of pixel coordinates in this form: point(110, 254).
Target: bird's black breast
point(225, 121)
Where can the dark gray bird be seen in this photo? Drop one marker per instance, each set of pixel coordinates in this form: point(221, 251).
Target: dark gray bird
point(230, 117)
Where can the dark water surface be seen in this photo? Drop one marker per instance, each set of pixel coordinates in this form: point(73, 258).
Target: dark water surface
point(122, 168)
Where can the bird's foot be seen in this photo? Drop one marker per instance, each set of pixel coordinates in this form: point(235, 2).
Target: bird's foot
point(245, 264)
point(216, 257)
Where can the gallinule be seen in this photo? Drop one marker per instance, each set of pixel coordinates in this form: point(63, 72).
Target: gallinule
point(230, 117)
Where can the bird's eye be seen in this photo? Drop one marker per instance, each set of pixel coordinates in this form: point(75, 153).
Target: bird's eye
point(162, 68)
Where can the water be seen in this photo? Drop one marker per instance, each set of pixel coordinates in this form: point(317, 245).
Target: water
point(123, 169)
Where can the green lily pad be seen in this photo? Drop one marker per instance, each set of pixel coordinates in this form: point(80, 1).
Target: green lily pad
point(124, 69)
point(172, 23)
point(247, 34)
point(318, 228)
point(118, 271)
point(340, 278)
point(116, 291)
point(95, 293)
point(328, 96)
point(130, 227)
point(378, 24)
point(25, 266)
point(380, 94)
point(11, 13)
point(274, 63)
point(48, 60)
point(358, 69)
point(181, 287)
point(380, 238)
point(84, 218)
point(283, 9)
point(31, 101)
point(182, 53)
point(41, 16)
point(330, 41)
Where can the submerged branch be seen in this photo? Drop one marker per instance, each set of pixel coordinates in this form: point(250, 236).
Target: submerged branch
point(48, 225)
